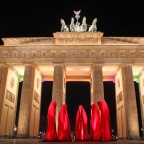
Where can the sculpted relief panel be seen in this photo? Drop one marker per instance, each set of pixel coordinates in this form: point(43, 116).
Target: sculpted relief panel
point(79, 41)
point(77, 38)
point(10, 96)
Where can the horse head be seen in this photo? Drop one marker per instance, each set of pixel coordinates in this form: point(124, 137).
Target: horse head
point(94, 21)
point(62, 22)
point(72, 25)
point(84, 20)
point(63, 27)
point(84, 25)
point(93, 27)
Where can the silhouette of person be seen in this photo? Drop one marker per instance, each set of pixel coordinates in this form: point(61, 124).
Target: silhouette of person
point(81, 124)
point(105, 121)
point(51, 125)
point(64, 131)
point(95, 123)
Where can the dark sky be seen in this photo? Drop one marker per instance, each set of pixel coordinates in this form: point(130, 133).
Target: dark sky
point(42, 18)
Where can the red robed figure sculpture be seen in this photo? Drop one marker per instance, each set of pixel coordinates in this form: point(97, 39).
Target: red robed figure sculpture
point(105, 121)
point(64, 131)
point(81, 124)
point(51, 125)
point(95, 123)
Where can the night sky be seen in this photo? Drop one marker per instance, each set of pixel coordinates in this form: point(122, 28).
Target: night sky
point(42, 18)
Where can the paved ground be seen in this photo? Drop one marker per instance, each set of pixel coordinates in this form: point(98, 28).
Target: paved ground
point(40, 141)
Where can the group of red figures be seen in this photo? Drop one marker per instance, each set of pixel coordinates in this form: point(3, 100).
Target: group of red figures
point(100, 127)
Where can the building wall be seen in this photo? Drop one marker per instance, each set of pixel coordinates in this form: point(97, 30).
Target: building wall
point(9, 104)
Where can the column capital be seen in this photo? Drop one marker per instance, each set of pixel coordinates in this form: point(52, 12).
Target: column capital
point(126, 64)
point(36, 66)
point(4, 65)
point(29, 64)
point(9, 66)
point(97, 65)
point(58, 64)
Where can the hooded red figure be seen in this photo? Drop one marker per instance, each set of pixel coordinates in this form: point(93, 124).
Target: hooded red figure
point(51, 125)
point(105, 121)
point(95, 123)
point(81, 124)
point(64, 131)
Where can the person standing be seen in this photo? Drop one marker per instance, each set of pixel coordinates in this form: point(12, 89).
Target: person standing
point(51, 134)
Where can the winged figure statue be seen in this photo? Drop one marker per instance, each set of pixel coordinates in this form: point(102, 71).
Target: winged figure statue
point(77, 12)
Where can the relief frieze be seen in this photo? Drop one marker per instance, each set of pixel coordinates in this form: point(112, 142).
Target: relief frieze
point(119, 98)
point(44, 54)
point(121, 55)
point(75, 38)
point(141, 55)
point(36, 97)
point(55, 54)
point(73, 54)
point(33, 55)
point(95, 54)
point(63, 54)
point(77, 41)
point(10, 96)
point(82, 54)
point(105, 55)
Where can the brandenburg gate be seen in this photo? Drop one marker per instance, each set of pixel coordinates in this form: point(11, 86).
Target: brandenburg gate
point(69, 56)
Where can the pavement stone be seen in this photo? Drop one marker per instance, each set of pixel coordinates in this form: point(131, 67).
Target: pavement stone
point(40, 141)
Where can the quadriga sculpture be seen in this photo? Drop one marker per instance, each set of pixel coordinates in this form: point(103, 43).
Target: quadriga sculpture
point(93, 27)
point(83, 27)
point(64, 27)
point(72, 25)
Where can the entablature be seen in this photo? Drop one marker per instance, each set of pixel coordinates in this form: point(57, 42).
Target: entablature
point(66, 54)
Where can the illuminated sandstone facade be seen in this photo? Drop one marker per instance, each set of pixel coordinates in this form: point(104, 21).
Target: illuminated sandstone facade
point(69, 57)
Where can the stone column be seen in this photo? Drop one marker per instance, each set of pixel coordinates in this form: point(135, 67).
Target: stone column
point(26, 102)
point(132, 128)
point(58, 88)
point(141, 93)
point(97, 90)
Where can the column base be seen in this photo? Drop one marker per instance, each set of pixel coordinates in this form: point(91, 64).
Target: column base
point(23, 136)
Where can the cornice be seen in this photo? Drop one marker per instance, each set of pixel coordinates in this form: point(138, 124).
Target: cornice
point(28, 41)
point(76, 41)
point(71, 47)
point(133, 40)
